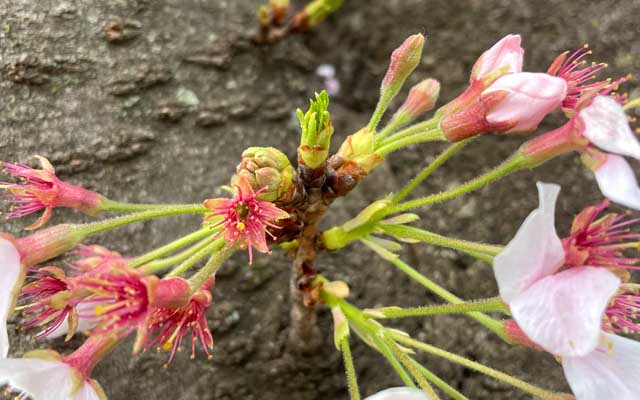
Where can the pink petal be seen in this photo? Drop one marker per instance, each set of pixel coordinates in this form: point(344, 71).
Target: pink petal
point(400, 393)
point(617, 182)
point(535, 251)
point(563, 313)
point(530, 97)
point(10, 283)
point(609, 372)
point(506, 54)
point(607, 126)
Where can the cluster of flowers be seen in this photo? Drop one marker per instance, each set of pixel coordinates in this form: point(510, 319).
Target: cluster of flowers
point(103, 296)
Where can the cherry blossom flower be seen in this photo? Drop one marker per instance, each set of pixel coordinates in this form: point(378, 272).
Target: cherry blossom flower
point(400, 393)
point(560, 310)
point(568, 308)
point(245, 218)
point(41, 189)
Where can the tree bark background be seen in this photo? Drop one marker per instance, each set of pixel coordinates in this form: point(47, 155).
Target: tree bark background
point(163, 116)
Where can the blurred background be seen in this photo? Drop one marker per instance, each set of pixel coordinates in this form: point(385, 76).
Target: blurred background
point(162, 113)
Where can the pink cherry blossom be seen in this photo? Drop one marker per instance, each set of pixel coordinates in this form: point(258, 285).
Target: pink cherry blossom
point(41, 189)
point(504, 57)
point(561, 311)
point(245, 218)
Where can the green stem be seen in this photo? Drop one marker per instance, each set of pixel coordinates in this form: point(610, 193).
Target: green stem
point(395, 364)
point(366, 329)
point(113, 223)
point(513, 164)
point(498, 375)
point(433, 378)
point(406, 361)
point(399, 120)
point(210, 268)
point(107, 205)
point(352, 379)
point(428, 136)
point(156, 266)
point(473, 248)
point(488, 322)
point(484, 305)
point(170, 247)
point(429, 169)
point(410, 131)
point(212, 247)
point(381, 107)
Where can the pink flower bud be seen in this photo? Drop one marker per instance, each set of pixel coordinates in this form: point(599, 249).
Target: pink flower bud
point(421, 99)
point(502, 58)
point(404, 60)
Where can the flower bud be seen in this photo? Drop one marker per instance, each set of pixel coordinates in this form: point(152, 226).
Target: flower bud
point(404, 60)
point(316, 132)
point(270, 174)
point(421, 99)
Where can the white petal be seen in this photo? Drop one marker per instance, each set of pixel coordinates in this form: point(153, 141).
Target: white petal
point(85, 323)
point(617, 182)
point(535, 251)
point(606, 125)
point(606, 373)
point(563, 312)
point(10, 274)
point(400, 393)
point(40, 379)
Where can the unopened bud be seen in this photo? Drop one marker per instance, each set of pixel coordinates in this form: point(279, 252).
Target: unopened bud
point(316, 132)
point(421, 99)
point(404, 60)
point(269, 171)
